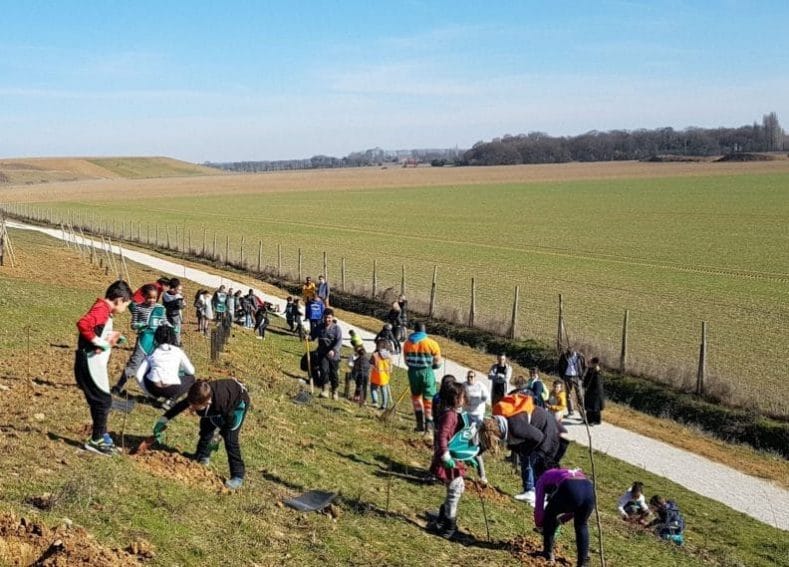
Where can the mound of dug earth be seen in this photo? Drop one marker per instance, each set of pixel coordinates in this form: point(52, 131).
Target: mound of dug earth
point(177, 467)
point(745, 156)
point(25, 542)
point(528, 553)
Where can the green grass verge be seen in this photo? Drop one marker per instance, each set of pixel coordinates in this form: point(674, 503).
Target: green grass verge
point(328, 445)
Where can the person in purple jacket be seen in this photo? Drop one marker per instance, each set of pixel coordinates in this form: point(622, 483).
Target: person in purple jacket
point(570, 495)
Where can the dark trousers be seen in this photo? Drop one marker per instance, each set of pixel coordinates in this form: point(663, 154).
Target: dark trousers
point(497, 391)
point(361, 388)
point(232, 445)
point(330, 371)
point(172, 392)
point(593, 417)
point(576, 497)
point(571, 387)
point(99, 402)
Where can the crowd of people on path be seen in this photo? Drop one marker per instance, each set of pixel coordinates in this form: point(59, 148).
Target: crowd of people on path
point(526, 416)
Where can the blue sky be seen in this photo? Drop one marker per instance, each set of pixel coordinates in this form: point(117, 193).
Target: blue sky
point(239, 80)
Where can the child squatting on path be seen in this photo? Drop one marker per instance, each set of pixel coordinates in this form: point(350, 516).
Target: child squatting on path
point(95, 340)
point(222, 405)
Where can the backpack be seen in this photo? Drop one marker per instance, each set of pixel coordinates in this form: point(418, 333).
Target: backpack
point(513, 404)
point(544, 394)
point(464, 445)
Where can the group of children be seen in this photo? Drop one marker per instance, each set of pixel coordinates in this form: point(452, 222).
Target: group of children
point(527, 420)
point(228, 306)
point(162, 369)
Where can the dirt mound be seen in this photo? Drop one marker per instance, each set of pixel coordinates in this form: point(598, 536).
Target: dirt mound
point(175, 466)
point(745, 156)
point(489, 493)
point(24, 542)
point(528, 551)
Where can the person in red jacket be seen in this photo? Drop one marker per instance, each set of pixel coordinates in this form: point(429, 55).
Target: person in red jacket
point(443, 466)
point(95, 340)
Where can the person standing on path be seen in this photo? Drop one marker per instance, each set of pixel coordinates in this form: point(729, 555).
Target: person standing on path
point(308, 293)
point(329, 336)
point(572, 365)
point(500, 375)
point(422, 357)
point(593, 394)
point(323, 291)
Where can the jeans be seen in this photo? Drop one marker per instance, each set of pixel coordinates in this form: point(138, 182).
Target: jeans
point(527, 473)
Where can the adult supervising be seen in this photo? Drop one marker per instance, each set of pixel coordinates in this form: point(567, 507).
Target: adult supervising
point(422, 356)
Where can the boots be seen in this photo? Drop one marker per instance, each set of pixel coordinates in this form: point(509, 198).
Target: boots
point(449, 529)
point(437, 523)
point(429, 427)
point(420, 420)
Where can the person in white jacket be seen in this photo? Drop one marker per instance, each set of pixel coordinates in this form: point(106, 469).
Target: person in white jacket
point(477, 400)
point(167, 372)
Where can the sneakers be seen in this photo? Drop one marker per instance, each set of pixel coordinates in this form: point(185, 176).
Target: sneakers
point(528, 497)
point(234, 483)
point(324, 394)
point(104, 446)
point(205, 461)
point(335, 396)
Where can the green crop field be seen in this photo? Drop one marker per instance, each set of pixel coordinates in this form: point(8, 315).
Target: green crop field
point(675, 251)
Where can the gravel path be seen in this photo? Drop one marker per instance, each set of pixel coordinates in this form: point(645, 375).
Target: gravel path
point(755, 497)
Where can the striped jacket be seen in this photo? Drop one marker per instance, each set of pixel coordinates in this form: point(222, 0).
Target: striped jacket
point(421, 351)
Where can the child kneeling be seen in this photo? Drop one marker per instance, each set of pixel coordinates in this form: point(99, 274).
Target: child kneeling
point(222, 405)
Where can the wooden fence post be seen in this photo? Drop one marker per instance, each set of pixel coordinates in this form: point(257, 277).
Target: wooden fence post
point(189, 241)
point(260, 255)
point(623, 354)
point(157, 234)
point(227, 249)
point(298, 270)
point(175, 238)
point(342, 274)
point(242, 253)
point(432, 308)
point(513, 331)
point(402, 280)
point(204, 235)
point(213, 250)
point(560, 326)
point(279, 260)
point(325, 266)
point(701, 375)
point(375, 278)
point(473, 309)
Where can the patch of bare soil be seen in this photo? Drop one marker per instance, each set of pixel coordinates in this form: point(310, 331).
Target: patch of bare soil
point(528, 551)
point(489, 493)
point(25, 542)
point(175, 466)
point(746, 156)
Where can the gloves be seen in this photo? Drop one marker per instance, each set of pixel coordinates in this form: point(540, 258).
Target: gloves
point(447, 461)
point(159, 428)
point(213, 446)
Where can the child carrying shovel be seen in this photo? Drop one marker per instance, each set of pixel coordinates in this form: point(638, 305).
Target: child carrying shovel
point(222, 405)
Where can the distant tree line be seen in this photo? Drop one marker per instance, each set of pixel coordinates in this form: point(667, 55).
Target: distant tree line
point(371, 157)
point(538, 147)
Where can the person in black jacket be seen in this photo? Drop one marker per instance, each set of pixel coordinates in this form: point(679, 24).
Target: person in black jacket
point(329, 337)
point(386, 335)
point(222, 405)
point(594, 395)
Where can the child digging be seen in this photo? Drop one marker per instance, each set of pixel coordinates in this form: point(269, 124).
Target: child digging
point(222, 405)
point(443, 466)
point(95, 340)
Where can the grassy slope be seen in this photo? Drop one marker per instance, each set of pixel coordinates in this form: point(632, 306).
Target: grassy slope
point(675, 251)
point(53, 170)
point(330, 445)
